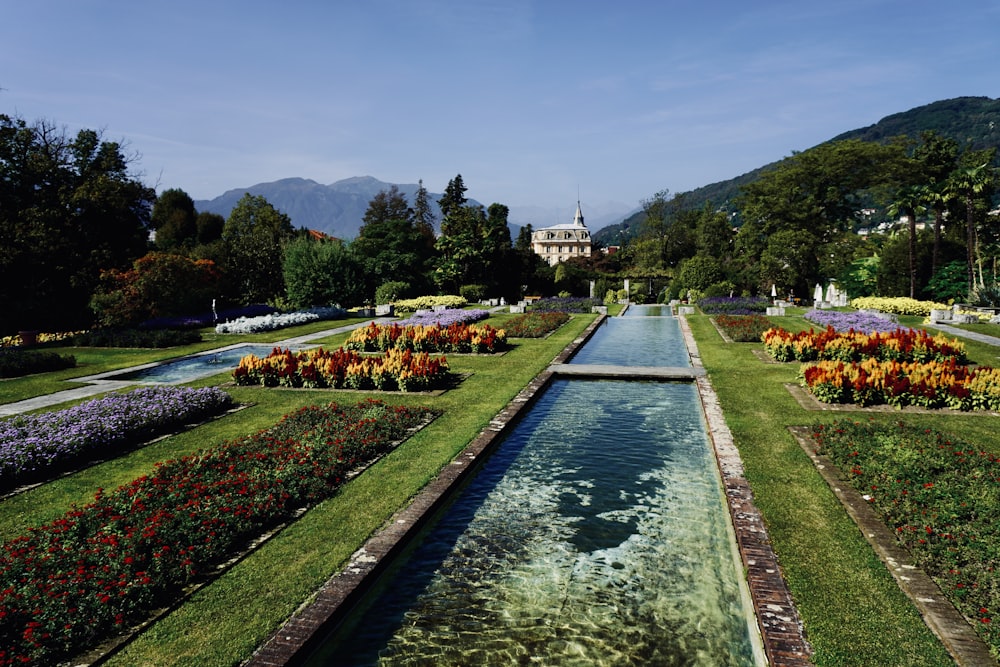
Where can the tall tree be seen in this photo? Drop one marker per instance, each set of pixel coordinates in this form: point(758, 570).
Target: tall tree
point(174, 220)
point(908, 204)
point(423, 216)
point(937, 157)
point(973, 185)
point(390, 246)
point(253, 239)
point(69, 208)
point(321, 273)
point(453, 200)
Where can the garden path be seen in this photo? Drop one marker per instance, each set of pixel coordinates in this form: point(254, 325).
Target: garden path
point(95, 387)
point(972, 335)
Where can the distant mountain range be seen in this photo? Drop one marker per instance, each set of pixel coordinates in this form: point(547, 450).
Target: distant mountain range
point(337, 208)
point(973, 121)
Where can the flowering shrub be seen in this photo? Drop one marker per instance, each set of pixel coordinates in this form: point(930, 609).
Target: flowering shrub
point(397, 369)
point(856, 320)
point(40, 338)
point(932, 384)
point(898, 345)
point(743, 328)
point(39, 446)
point(88, 576)
point(15, 362)
point(565, 304)
point(535, 325)
point(897, 304)
point(478, 338)
point(936, 495)
point(250, 325)
point(445, 318)
point(429, 302)
point(729, 305)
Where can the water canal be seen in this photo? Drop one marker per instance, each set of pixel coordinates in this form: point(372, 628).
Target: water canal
point(595, 534)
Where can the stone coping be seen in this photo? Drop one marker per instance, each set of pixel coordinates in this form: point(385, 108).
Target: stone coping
point(958, 637)
point(778, 621)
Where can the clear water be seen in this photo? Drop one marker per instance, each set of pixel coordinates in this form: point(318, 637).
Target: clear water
point(652, 310)
point(635, 341)
point(596, 534)
point(194, 367)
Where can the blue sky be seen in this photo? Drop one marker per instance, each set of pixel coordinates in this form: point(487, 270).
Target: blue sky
point(530, 101)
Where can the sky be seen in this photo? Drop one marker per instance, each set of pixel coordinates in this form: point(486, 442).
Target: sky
point(533, 102)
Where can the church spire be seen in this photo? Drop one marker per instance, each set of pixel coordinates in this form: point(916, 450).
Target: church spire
point(578, 218)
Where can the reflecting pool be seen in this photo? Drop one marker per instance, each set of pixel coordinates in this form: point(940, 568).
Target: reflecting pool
point(194, 367)
point(635, 341)
point(596, 534)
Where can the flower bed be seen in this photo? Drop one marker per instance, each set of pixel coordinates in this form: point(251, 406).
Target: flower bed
point(429, 302)
point(445, 318)
point(898, 345)
point(40, 338)
point(851, 321)
point(534, 325)
point(207, 319)
point(461, 338)
point(729, 305)
point(39, 446)
point(404, 370)
point(565, 304)
point(15, 362)
point(929, 385)
point(270, 322)
point(937, 495)
point(90, 575)
point(743, 328)
point(899, 305)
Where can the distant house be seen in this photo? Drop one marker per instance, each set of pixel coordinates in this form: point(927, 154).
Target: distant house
point(561, 242)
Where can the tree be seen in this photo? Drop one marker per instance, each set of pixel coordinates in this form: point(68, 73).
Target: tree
point(390, 246)
point(174, 220)
point(253, 239)
point(69, 208)
point(937, 157)
point(453, 199)
point(321, 273)
point(972, 185)
point(908, 204)
point(423, 216)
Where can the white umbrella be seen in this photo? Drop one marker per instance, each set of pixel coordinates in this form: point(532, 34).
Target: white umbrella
point(818, 294)
point(774, 291)
point(831, 293)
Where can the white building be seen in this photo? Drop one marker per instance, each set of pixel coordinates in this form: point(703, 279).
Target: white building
point(561, 242)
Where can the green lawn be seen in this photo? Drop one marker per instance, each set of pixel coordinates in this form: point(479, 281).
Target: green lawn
point(853, 612)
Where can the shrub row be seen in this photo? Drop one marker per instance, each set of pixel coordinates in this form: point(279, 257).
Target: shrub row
point(565, 304)
point(15, 362)
point(899, 305)
point(729, 305)
point(460, 338)
point(135, 338)
point(90, 575)
point(404, 370)
point(534, 325)
point(829, 344)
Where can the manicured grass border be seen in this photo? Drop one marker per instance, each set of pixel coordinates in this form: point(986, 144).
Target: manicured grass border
point(854, 614)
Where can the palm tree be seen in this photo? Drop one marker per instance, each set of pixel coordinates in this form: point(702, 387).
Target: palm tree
point(968, 183)
point(908, 204)
point(937, 196)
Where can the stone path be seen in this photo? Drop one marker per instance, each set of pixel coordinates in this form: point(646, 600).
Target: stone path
point(97, 384)
point(962, 333)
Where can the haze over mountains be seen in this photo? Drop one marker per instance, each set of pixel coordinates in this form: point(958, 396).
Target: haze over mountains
point(337, 208)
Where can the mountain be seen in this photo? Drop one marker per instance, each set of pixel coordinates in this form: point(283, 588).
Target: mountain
point(337, 208)
point(971, 121)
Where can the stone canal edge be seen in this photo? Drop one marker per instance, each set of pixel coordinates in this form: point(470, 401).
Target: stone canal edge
point(778, 621)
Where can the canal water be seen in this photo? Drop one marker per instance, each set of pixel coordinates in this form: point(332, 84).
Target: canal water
point(596, 534)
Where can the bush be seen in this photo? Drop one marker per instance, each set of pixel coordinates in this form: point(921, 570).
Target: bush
point(473, 293)
point(986, 295)
point(391, 291)
point(567, 304)
point(155, 338)
point(900, 305)
point(733, 305)
point(15, 362)
point(429, 302)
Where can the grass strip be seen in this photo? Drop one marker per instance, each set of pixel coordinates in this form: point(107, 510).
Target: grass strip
point(854, 614)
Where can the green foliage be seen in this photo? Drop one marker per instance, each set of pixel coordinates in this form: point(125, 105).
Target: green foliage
point(15, 362)
point(158, 285)
point(253, 237)
point(859, 278)
point(175, 220)
point(135, 338)
point(70, 209)
point(320, 273)
point(473, 293)
point(986, 295)
point(949, 284)
point(893, 277)
point(391, 291)
point(700, 271)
